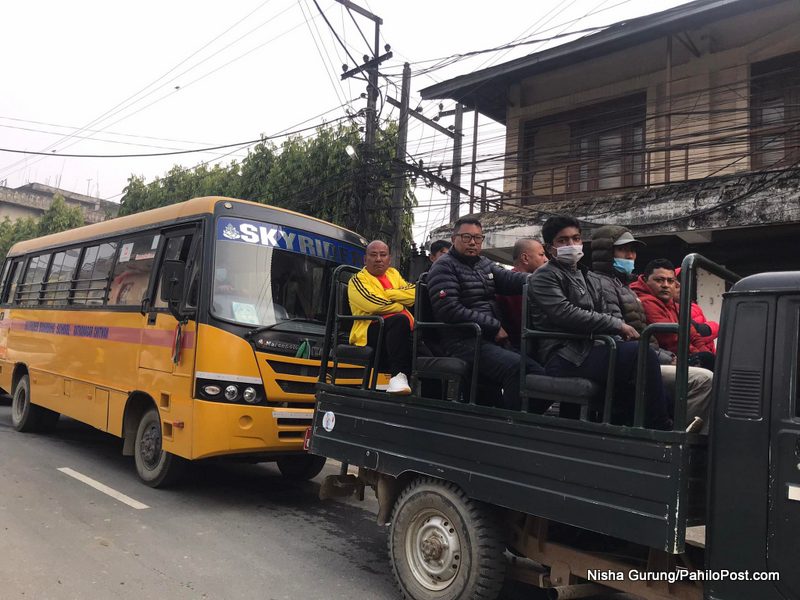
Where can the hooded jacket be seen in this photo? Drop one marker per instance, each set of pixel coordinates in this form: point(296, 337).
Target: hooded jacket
point(658, 311)
point(621, 301)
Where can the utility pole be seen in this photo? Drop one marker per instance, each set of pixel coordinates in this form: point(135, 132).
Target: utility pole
point(455, 195)
point(370, 66)
point(452, 184)
point(458, 133)
point(399, 190)
point(474, 162)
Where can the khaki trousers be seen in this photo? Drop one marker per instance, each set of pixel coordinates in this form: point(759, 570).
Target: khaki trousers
point(698, 398)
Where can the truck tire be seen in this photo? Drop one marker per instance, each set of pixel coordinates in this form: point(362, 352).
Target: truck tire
point(155, 466)
point(301, 467)
point(444, 546)
point(26, 416)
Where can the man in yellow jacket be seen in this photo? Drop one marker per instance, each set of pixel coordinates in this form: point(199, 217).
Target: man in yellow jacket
point(378, 289)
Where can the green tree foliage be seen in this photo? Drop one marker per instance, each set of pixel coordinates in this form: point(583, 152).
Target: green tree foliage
point(59, 217)
point(180, 184)
point(314, 176)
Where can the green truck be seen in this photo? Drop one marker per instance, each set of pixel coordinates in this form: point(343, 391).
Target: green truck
point(474, 494)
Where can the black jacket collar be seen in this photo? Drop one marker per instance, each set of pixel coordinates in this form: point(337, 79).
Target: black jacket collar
point(467, 260)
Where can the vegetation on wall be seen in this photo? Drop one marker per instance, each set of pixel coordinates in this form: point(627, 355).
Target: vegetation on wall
point(58, 217)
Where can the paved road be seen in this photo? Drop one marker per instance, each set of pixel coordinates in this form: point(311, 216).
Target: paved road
point(232, 531)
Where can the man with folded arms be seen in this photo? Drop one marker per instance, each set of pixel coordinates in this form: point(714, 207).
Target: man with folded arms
point(379, 289)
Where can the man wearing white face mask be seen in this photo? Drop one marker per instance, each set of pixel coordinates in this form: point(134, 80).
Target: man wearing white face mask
point(565, 296)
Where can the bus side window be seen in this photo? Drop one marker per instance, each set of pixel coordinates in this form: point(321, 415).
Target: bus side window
point(194, 265)
point(178, 248)
point(56, 288)
point(173, 251)
point(4, 277)
point(30, 287)
point(91, 283)
point(10, 289)
point(132, 272)
point(9, 272)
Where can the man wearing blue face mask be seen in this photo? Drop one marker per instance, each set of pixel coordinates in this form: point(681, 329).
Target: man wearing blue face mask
point(613, 254)
point(614, 250)
point(565, 296)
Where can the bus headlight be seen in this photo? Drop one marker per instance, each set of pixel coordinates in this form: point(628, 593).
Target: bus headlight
point(231, 392)
point(249, 395)
point(212, 390)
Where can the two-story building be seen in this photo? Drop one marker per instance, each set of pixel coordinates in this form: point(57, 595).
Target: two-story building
point(33, 199)
point(683, 125)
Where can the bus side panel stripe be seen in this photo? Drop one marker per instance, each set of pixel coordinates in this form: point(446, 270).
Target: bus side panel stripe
point(126, 335)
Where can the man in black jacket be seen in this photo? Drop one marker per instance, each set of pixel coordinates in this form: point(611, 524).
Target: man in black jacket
point(566, 296)
point(462, 286)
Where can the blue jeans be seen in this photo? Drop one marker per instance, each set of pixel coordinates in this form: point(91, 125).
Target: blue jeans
point(498, 366)
point(595, 368)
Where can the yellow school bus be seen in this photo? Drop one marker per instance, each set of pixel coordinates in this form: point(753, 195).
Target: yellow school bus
point(190, 331)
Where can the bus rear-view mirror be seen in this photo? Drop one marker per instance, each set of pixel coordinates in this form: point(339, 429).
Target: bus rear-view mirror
point(173, 277)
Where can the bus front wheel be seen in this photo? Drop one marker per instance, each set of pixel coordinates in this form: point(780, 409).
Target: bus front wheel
point(443, 545)
point(300, 467)
point(26, 416)
point(155, 466)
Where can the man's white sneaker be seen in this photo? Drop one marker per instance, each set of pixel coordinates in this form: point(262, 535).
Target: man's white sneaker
point(399, 385)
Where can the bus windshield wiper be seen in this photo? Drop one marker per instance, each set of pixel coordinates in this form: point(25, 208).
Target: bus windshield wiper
point(264, 328)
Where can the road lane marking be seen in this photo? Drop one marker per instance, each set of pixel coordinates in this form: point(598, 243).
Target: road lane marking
point(104, 488)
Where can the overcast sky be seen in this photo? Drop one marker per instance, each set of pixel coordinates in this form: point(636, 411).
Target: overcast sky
point(155, 76)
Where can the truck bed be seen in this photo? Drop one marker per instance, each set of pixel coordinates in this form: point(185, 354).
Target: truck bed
point(635, 484)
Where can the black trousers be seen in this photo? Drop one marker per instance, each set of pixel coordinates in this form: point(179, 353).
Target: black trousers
point(498, 366)
point(395, 353)
point(595, 367)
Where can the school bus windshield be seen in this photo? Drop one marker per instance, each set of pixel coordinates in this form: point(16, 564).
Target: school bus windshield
point(261, 285)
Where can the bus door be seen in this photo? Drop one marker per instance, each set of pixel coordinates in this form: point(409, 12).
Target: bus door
point(8, 285)
point(783, 551)
point(168, 346)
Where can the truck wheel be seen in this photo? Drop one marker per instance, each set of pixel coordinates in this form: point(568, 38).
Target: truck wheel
point(301, 467)
point(444, 546)
point(25, 417)
point(155, 466)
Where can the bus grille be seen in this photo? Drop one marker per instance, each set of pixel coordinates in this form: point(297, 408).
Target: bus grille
point(288, 368)
point(297, 387)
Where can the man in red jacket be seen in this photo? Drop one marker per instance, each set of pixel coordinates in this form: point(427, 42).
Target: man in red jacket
point(655, 288)
point(698, 316)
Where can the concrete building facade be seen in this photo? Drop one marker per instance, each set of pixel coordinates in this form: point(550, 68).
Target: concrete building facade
point(33, 199)
point(683, 125)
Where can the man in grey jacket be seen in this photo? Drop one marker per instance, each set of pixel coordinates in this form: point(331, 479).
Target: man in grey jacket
point(565, 296)
point(614, 250)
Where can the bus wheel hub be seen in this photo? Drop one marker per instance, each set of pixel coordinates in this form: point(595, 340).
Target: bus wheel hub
point(151, 445)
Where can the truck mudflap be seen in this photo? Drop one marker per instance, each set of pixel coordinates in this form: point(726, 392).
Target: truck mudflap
point(634, 484)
